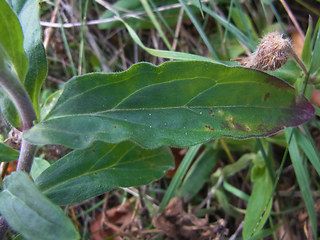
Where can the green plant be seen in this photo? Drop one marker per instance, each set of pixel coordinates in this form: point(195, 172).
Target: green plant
point(120, 124)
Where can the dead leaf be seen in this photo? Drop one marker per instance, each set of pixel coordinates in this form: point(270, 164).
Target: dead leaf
point(176, 223)
point(315, 97)
point(115, 222)
point(297, 41)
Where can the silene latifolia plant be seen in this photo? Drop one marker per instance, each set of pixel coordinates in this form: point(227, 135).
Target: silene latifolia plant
point(121, 124)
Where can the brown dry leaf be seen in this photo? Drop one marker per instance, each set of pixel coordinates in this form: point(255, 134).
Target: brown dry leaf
point(315, 97)
point(178, 156)
point(115, 221)
point(176, 223)
point(12, 167)
point(304, 221)
point(14, 139)
point(98, 231)
point(297, 41)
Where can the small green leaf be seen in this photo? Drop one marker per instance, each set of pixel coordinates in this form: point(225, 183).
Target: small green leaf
point(7, 154)
point(49, 103)
point(86, 173)
point(237, 166)
point(176, 103)
point(11, 40)
point(259, 205)
point(32, 214)
point(38, 166)
point(199, 173)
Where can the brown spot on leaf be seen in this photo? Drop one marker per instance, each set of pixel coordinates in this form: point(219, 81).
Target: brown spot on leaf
point(235, 125)
point(114, 127)
point(261, 127)
point(266, 96)
point(239, 126)
point(209, 127)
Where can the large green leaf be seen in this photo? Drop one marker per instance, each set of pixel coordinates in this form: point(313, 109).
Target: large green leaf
point(11, 54)
point(85, 173)
point(11, 40)
point(28, 14)
point(176, 103)
point(32, 214)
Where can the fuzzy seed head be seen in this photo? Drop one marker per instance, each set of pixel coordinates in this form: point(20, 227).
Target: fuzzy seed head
point(271, 54)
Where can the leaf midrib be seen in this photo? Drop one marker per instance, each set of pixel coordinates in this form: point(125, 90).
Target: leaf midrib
point(165, 108)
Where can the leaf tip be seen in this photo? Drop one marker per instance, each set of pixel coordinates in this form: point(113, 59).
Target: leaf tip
point(306, 111)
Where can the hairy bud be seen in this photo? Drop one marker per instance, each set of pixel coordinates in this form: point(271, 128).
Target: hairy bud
point(271, 54)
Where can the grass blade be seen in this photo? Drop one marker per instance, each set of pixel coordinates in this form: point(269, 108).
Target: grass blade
point(307, 144)
point(199, 173)
point(163, 53)
point(230, 27)
point(306, 51)
point(180, 173)
point(155, 22)
point(199, 29)
point(303, 179)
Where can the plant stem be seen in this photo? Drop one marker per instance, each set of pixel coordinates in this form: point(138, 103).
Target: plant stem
point(25, 160)
point(300, 63)
point(23, 104)
point(19, 97)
